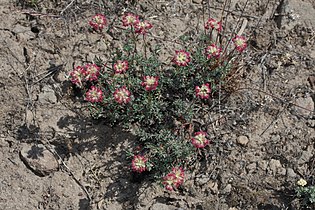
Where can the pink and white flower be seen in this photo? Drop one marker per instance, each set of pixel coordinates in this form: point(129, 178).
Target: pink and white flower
point(130, 19)
point(181, 58)
point(203, 92)
point(199, 140)
point(77, 75)
point(138, 163)
point(94, 95)
point(213, 51)
point(121, 67)
point(142, 27)
point(92, 72)
point(98, 22)
point(214, 24)
point(122, 95)
point(150, 82)
point(240, 43)
point(174, 179)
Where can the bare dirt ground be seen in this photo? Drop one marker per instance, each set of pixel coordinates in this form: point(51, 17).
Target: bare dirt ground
point(262, 147)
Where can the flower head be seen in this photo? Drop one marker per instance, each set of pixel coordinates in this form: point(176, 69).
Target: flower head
point(173, 179)
point(98, 22)
point(122, 95)
point(77, 76)
point(150, 82)
point(121, 67)
point(92, 72)
point(302, 182)
point(139, 163)
point(203, 92)
point(240, 43)
point(181, 58)
point(212, 23)
point(213, 51)
point(142, 27)
point(199, 140)
point(130, 19)
point(94, 95)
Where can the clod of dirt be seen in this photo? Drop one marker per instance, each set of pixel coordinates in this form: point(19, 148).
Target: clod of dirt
point(243, 140)
point(40, 160)
point(162, 206)
point(305, 106)
point(47, 96)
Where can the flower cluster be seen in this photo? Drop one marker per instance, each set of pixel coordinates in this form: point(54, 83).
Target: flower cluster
point(122, 95)
point(199, 140)
point(94, 94)
point(203, 92)
point(139, 163)
point(181, 58)
point(214, 24)
point(173, 179)
point(98, 22)
point(120, 67)
point(240, 43)
point(130, 19)
point(80, 74)
point(142, 27)
point(213, 51)
point(150, 82)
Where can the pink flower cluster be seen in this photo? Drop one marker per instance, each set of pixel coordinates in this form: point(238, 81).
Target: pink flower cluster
point(98, 22)
point(213, 51)
point(120, 67)
point(141, 27)
point(174, 179)
point(203, 92)
point(214, 24)
point(181, 58)
point(150, 82)
point(89, 72)
point(122, 95)
point(199, 140)
point(138, 163)
point(240, 43)
point(94, 95)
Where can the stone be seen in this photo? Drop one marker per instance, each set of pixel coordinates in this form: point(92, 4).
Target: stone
point(291, 173)
point(227, 189)
point(251, 167)
point(47, 96)
point(197, 1)
point(203, 179)
point(242, 140)
point(305, 106)
point(213, 186)
point(39, 159)
point(276, 167)
point(162, 206)
point(306, 155)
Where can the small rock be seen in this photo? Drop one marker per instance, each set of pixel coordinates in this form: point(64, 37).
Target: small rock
point(47, 96)
point(306, 106)
point(203, 179)
point(40, 160)
point(311, 80)
point(162, 206)
point(276, 167)
point(197, 1)
point(291, 173)
point(213, 186)
point(227, 189)
point(251, 167)
point(306, 155)
point(243, 140)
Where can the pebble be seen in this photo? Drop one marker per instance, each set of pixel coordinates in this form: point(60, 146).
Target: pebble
point(306, 103)
point(243, 140)
point(227, 189)
point(47, 96)
point(197, 1)
point(276, 167)
point(291, 173)
point(40, 160)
